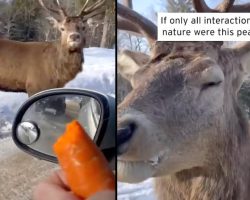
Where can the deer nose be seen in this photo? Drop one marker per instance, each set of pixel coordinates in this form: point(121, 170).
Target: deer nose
point(74, 36)
point(123, 136)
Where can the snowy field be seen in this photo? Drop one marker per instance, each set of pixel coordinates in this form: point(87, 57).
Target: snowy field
point(98, 74)
point(141, 191)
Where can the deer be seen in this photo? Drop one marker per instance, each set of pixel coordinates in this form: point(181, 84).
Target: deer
point(181, 123)
point(35, 66)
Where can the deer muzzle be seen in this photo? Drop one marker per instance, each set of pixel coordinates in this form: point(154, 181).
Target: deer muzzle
point(74, 40)
point(124, 134)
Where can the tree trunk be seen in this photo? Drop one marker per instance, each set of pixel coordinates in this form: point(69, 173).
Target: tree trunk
point(108, 31)
point(105, 35)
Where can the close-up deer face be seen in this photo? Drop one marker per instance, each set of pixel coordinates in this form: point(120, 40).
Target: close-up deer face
point(183, 101)
point(72, 28)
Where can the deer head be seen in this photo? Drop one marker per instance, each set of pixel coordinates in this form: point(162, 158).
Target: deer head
point(72, 28)
point(183, 111)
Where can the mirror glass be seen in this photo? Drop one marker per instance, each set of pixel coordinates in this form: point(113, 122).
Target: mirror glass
point(46, 119)
point(27, 133)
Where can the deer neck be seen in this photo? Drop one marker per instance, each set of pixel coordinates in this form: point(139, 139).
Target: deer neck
point(203, 184)
point(69, 63)
point(227, 176)
point(196, 184)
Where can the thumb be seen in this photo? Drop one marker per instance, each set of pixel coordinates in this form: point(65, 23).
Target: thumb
point(46, 191)
point(69, 196)
point(104, 195)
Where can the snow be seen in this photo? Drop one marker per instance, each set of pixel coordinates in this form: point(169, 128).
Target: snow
point(98, 74)
point(139, 191)
point(98, 71)
point(5, 130)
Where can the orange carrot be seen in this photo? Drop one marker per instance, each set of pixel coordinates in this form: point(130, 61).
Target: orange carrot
point(85, 167)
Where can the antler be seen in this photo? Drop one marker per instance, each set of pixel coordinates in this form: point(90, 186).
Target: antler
point(84, 6)
point(126, 25)
point(87, 10)
point(60, 11)
point(140, 25)
point(225, 6)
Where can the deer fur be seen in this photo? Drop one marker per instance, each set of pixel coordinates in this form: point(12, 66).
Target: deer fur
point(189, 132)
point(35, 66)
point(225, 175)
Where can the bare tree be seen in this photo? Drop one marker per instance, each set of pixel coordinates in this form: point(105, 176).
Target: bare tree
point(124, 85)
point(180, 6)
point(108, 36)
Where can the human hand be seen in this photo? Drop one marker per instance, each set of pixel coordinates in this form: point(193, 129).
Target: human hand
point(56, 188)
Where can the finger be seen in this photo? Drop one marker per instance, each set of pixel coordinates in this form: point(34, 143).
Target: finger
point(58, 178)
point(45, 191)
point(104, 195)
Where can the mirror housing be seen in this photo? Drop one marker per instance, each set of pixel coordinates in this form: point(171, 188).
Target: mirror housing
point(105, 132)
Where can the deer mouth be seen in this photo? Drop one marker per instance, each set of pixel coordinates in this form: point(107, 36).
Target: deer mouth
point(74, 44)
point(154, 161)
point(133, 171)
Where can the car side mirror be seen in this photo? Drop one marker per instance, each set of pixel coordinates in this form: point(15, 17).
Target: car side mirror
point(43, 117)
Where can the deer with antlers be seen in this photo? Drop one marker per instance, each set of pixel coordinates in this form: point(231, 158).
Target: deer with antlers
point(182, 123)
point(35, 66)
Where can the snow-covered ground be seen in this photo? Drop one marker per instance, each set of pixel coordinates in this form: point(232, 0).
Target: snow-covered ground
point(98, 71)
point(98, 74)
point(139, 191)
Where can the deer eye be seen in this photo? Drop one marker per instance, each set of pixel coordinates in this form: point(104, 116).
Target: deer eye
point(81, 27)
point(212, 76)
point(210, 84)
point(62, 29)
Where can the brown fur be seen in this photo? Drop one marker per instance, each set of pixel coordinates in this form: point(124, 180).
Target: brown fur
point(225, 173)
point(187, 128)
point(36, 66)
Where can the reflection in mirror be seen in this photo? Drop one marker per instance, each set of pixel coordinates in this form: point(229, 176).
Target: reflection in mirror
point(50, 115)
point(27, 133)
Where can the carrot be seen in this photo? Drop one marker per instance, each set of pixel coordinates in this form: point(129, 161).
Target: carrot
point(85, 167)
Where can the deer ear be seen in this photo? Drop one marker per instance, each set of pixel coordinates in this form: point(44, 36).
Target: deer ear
point(54, 22)
point(130, 62)
point(243, 51)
